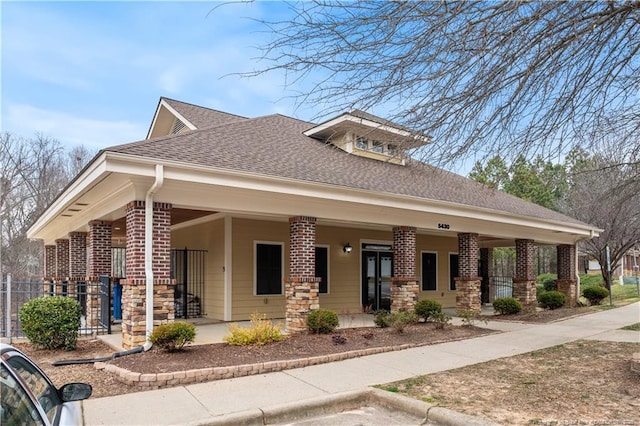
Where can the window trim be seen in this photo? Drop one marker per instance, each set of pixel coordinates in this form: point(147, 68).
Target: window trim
point(451, 279)
point(255, 267)
point(422, 270)
point(328, 248)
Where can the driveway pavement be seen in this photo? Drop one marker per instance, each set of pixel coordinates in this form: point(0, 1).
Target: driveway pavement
point(246, 400)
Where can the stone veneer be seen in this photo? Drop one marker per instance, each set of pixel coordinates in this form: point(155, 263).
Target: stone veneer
point(468, 283)
point(404, 283)
point(134, 289)
point(302, 286)
point(566, 282)
point(524, 283)
point(150, 381)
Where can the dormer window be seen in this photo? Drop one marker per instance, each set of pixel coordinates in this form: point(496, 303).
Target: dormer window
point(362, 143)
point(377, 146)
point(392, 150)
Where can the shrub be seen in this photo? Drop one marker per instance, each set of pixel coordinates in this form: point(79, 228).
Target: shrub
point(469, 317)
point(260, 332)
point(400, 320)
point(425, 309)
point(595, 294)
point(173, 336)
point(322, 321)
point(51, 322)
point(507, 305)
point(551, 299)
point(381, 318)
point(440, 320)
point(550, 285)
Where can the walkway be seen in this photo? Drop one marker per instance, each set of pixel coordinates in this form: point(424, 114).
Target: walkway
point(205, 402)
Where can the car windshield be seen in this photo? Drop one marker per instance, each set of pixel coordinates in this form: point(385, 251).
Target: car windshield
point(16, 408)
point(41, 388)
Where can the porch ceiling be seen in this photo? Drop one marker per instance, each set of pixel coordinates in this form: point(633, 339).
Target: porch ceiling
point(178, 215)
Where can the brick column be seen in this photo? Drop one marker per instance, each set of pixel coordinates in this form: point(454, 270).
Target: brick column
point(77, 261)
point(134, 289)
point(62, 266)
point(100, 233)
point(524, 283)
point(301, 288)
point(49, 268)
point(468, 283)
point(487, 291)
point(404, 283)
point(566, 281)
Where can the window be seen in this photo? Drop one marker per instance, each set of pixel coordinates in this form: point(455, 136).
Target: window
point(429, 271)
point(362, 143)
point(377, 146)
point(453, 270)
point(46, 394)
point(16, 406)
point(269, 268)
point(392, 150)
point(322, 268)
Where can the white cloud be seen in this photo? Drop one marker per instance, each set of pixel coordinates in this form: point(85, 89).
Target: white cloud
point(70, 130)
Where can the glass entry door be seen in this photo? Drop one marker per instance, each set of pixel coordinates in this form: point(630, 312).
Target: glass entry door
point(377, 268)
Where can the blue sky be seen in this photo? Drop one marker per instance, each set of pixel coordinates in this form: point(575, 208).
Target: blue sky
point(91, 73)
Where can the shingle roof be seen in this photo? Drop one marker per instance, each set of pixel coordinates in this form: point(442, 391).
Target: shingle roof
point(202, 117)
point(274, 145)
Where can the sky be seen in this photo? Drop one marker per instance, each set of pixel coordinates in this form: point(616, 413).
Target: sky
point(91, 73)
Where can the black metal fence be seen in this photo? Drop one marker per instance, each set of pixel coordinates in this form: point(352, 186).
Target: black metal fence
point(14, 294)
point(188, 269)
point(500, 287)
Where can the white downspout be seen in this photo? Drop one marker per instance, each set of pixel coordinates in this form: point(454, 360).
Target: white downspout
point(577, 268)
point(148, 251)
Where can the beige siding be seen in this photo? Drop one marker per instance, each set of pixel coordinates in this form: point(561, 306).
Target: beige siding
point(208, 236)
point(442, 247)
point(245, 301)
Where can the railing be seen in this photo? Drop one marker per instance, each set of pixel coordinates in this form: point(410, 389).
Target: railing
point(90, 295)
point(500, 287)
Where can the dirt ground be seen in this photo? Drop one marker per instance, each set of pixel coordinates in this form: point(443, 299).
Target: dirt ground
point(579, 383)
point(583, 382)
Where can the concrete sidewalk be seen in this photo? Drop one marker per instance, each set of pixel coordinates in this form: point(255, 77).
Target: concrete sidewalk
point(234, 398)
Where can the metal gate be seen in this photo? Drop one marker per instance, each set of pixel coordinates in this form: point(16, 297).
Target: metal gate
point(188, 269)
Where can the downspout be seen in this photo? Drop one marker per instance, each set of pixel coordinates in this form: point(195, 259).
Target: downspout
point(577, 268)
point(148, 251)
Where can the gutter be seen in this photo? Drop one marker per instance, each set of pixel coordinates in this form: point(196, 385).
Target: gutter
point(148, 251)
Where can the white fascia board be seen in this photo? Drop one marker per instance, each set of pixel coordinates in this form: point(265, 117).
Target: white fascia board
point(187, 173)
point(221, 177)
point(164, 103)
point(363, 121)
point(177, 114)
point(94, 173)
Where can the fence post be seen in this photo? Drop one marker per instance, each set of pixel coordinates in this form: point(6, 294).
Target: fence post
point(8, 311)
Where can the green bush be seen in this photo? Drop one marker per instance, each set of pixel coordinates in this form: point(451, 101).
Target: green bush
point(322, 321)
point(381, 318)
point(51, 322)
point(425, 309)
point(173, 336)
point(507, 305)
point(550, 285)
point(260, 332)
point(546, 277)
point(595, 294)
point(440, 320)
point(400, 320)
point(551, 299)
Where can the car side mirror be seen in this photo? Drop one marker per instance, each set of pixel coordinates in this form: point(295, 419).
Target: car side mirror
point(75, 391)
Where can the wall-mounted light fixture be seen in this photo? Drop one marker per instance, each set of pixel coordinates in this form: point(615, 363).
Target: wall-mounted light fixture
point(347, 248)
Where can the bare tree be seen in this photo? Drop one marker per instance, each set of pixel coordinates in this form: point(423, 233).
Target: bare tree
point(32, 173)
point(480, 78)
point(597, 196)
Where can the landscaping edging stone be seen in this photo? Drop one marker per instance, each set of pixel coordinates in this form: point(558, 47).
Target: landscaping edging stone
point(149, 381)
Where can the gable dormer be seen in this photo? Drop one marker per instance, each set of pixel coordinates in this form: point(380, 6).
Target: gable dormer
point(366, 135)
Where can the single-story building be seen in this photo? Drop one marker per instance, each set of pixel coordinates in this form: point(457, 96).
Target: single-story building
point(288, 216)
